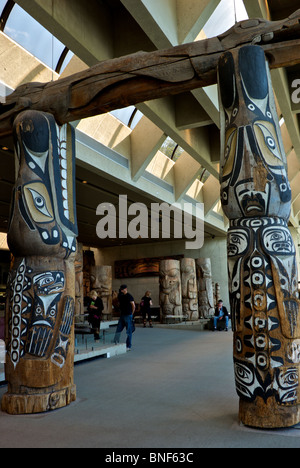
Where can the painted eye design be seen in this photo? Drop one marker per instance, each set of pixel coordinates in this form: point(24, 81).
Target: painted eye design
point(271, 143)
point(45, 281)
point(276, 236)
point(39, 202)
point(38, 310)
point(52, 312)
point(251, 107)
point(268, 142)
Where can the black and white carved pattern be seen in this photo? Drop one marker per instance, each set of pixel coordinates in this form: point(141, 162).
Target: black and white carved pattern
point(48, 287)
point(258, 250)
point(44, 194)
point(20, 307)
point(256, 197)
point(61, 349)
point(251, 383)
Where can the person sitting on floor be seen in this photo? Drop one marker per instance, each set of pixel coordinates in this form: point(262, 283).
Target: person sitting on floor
point(220, 313)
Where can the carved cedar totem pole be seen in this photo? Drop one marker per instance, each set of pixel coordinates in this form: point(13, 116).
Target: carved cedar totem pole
point(43, 229)
point(170, 296)
point(263, 280)
point(189, 288)
point(41, 286)
point(101, 281)
point(205, 288)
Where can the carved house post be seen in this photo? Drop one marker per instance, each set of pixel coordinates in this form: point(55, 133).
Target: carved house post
point(256, 197)
point(205, 288)
point(101, 281)
point(41, 288)
point(189, 288)
point(170, 294)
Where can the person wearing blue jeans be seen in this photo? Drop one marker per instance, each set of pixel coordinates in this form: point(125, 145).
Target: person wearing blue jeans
point(220, 313)
point(127, 308)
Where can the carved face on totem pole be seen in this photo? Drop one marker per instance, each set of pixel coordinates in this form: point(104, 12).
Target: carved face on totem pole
point(170, 287)
point(262, 268)
point(205, 287)
point(189, 288)
point(101, 281)
point(253, 165)
point(42, 237)
point(43, 202)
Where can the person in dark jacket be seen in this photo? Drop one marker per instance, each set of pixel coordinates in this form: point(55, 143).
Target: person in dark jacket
point(127, 308)
point(145, 305)
point(95, 309)
point(220, 313)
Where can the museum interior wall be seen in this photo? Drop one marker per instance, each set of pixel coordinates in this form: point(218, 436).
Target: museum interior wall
point(215, 249)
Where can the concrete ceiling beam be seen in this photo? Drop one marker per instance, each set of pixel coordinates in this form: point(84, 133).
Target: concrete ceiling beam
point(196, 141)
point(84, 27)
point(146, 139)
point(186, 170)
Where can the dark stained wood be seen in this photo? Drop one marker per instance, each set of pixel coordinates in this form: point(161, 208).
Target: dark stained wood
point(263, 288)
point(144, 76)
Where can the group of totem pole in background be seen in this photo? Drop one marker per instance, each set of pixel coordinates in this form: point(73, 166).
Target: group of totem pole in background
point(90, 277)
point(187, 290)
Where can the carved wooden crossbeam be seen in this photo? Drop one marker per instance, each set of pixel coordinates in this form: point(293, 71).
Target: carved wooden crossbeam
point(144, 76)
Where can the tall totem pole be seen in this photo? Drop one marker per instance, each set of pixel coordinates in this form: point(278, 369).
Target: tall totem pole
point(41, 288)
point(256, 197)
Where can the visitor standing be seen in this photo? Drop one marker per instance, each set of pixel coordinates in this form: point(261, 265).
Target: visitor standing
point(127, 308)
point(145, 305)
point(95, 308)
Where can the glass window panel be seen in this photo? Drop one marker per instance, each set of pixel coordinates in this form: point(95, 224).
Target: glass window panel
point(67, 60)
point(124, 115)
point(223, 17)
point(137, 117)
point(4, 91)
point(2, 5)
point(171, 149)
point(27, 32)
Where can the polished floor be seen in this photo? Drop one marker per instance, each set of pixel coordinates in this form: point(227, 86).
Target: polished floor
point(174, 390)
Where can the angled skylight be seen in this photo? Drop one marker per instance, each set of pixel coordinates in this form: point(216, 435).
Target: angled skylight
point(129, 116)
point(227, 13)
point(33, 37)
point(171, 149)
point(2, 5)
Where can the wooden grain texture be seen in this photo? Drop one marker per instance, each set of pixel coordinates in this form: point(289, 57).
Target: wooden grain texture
point(144, 76)
point(262, 266)
point(170, 293)
point(41, 287)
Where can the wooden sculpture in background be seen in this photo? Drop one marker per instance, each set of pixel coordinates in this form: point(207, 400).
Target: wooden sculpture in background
point(41, 287)
point(263, 279)
point(101, 281)
point(170, 296)
point(189, 288)
point(205, 288)
point(79, 296)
